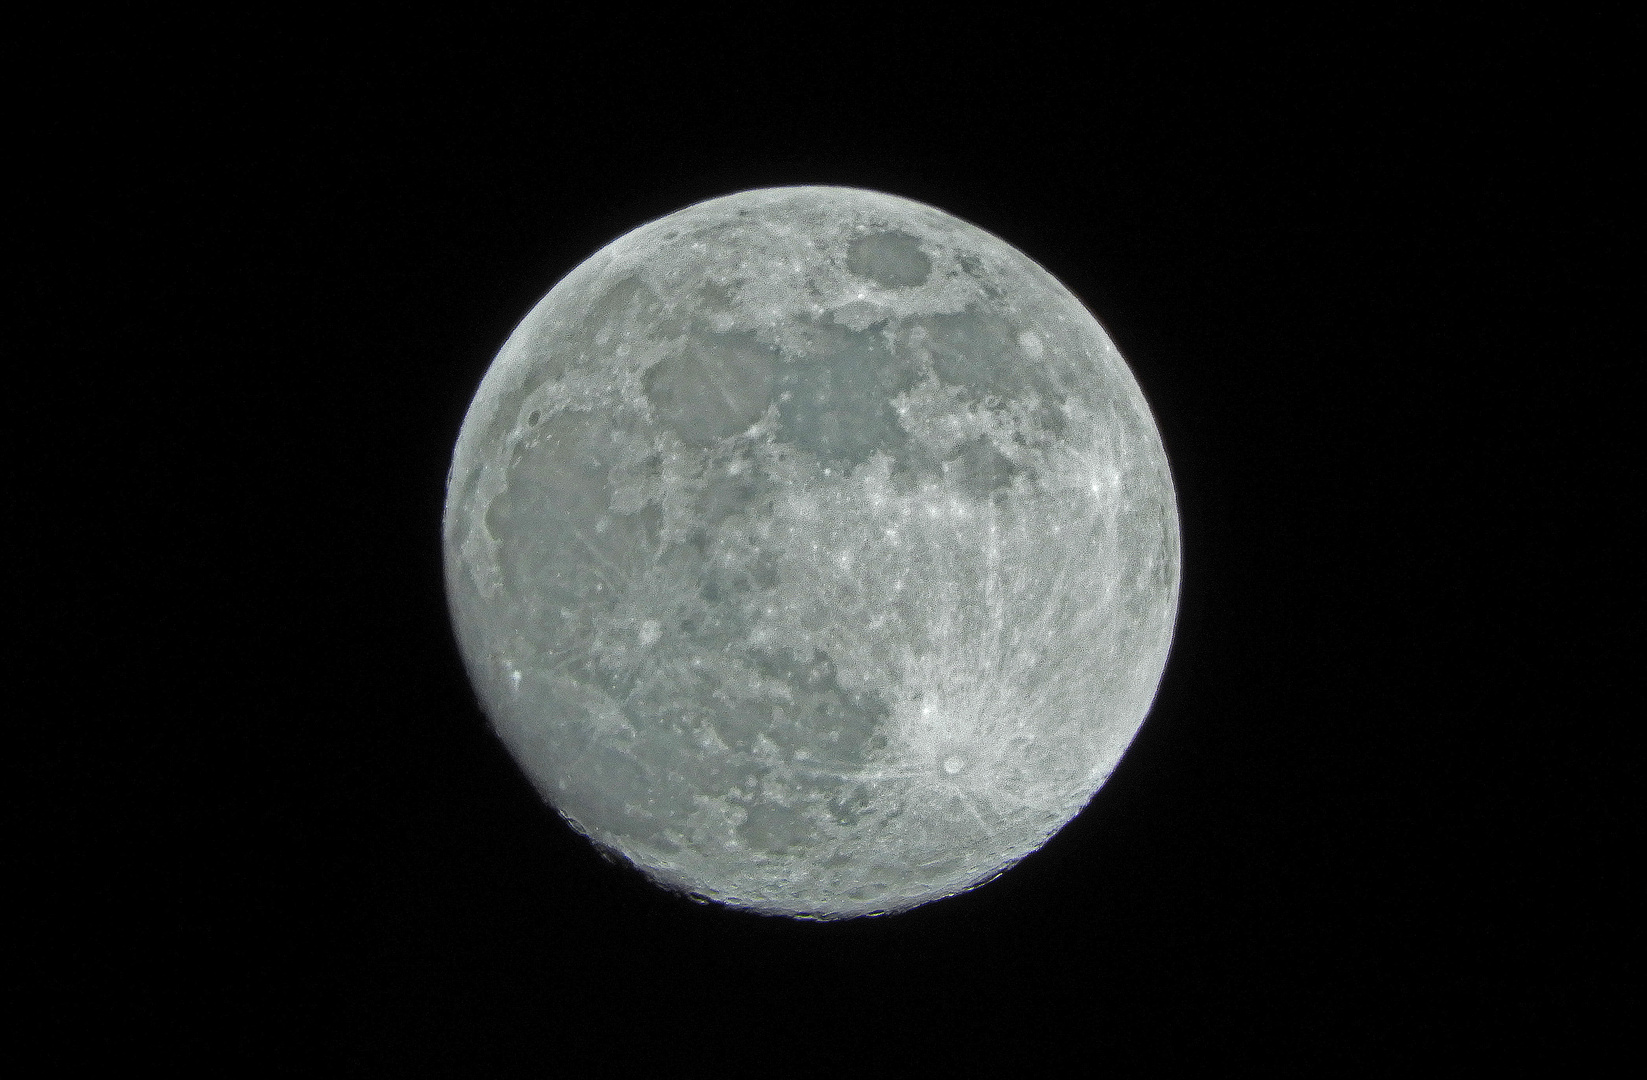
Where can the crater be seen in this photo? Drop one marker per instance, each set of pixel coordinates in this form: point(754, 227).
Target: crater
point(892, 259)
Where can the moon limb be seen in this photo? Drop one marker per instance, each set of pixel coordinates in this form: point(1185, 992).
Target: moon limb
point(814, 550)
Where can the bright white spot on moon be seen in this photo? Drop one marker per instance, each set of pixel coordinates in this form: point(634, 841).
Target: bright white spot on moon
point(814, 550)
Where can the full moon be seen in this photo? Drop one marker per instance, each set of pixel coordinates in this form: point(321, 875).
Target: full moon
point(813, 550)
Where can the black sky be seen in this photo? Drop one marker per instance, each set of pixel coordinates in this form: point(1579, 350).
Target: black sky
point(1364, 272)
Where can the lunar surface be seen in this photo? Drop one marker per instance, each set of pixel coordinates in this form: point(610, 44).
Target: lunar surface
point(813, 550)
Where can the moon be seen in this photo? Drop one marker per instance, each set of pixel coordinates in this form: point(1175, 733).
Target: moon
point(813, 550)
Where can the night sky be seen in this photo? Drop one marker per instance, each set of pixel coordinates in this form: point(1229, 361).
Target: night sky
point(1363, 273)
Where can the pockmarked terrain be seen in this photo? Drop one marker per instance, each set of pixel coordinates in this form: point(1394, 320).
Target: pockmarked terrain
point(814, 550)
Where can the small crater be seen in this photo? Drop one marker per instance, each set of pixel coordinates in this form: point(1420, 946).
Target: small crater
point(892, 259)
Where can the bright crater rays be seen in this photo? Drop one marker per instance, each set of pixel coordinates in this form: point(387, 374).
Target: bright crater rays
point(814, 550)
